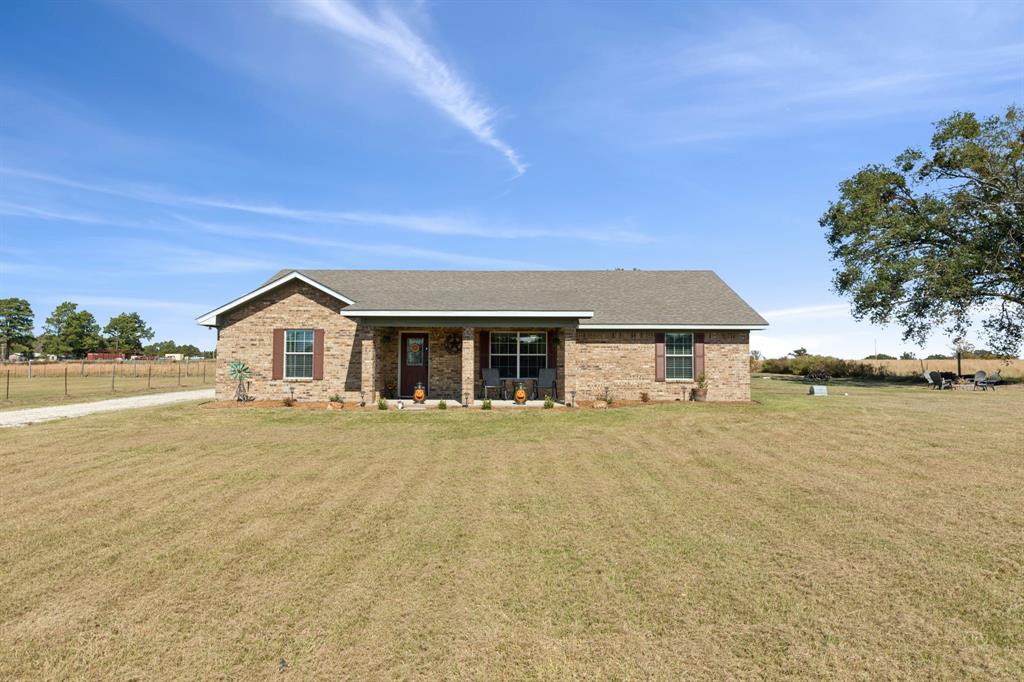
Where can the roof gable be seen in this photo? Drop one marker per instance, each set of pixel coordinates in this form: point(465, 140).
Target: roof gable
point(210, 319)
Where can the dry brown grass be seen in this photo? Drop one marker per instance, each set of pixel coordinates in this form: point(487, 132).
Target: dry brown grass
point(1007, 368)
point(874, 535)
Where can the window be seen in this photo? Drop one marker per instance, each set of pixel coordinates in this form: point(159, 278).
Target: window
point(298, 354)
point(678, 356)
point(519, 355)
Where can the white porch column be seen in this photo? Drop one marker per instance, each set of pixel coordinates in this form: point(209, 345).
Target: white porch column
point(468, 366)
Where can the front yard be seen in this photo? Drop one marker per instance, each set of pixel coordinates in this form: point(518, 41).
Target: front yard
point(876, 534)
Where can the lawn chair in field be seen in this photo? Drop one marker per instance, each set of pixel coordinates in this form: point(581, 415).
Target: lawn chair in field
point(928, 378)
point(979, 380)
point(491, 380)
point(993, 379)
point(940, 382)
point(546, 381)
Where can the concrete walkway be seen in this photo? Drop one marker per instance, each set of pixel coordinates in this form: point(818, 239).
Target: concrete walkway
point(45, 414)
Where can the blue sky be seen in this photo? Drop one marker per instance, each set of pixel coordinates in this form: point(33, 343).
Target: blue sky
point(165, 158)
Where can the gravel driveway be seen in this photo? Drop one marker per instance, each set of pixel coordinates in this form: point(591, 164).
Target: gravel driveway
point(45, 414)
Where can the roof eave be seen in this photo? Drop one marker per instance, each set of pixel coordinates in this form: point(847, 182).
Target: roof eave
point(210, 319)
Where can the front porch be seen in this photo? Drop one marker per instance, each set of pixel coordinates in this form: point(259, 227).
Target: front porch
point(448, 362)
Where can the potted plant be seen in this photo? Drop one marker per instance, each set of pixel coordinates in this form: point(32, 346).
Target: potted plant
point(699, 392)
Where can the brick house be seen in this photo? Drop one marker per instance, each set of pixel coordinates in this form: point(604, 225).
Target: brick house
point(363, 334)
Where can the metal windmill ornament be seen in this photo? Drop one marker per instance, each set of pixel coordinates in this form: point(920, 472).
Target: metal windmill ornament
point(240, 373)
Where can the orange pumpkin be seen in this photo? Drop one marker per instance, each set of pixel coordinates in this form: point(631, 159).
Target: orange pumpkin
point(419, 395)
point(520, 395)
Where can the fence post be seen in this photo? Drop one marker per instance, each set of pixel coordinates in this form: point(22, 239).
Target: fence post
point(65, 381)
point(179, 374)
point(7, 394)
point(29, 369)
point(204, 371)
point(149, 379)
point(113, 373)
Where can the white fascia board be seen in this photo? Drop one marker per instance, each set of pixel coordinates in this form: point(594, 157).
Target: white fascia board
point(468, 313)
point(210, 318)
point(686, 327)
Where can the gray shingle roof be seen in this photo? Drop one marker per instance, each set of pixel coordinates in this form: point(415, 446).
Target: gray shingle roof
point(628, 297)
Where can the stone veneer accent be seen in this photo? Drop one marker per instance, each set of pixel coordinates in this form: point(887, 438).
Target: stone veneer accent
point(623, 362)
point(359, 359)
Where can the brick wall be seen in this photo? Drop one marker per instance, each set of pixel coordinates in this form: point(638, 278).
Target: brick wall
point(589, 360)
point(247, 334)
point(623, 362)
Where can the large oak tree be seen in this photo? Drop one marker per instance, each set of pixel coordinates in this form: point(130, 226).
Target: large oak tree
point(936, 239)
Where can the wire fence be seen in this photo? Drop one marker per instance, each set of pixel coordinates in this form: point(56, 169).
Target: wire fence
point(25, 384)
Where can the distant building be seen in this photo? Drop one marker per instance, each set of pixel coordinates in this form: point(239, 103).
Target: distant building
point(104, 356)
point(174, 357)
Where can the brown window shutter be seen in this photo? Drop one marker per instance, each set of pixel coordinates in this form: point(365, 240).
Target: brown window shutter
point(485, 349)
point(318, 354)
point(659, 356)
point(698, 354)
point(277, 366)
point(552, 351)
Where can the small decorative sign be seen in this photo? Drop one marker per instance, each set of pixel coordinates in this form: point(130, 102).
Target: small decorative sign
point(818, 390)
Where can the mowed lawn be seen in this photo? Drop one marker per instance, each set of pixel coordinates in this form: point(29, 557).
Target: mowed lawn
point(873, 535)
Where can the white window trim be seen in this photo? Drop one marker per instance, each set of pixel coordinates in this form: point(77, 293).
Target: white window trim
point(311, 354)
point(518, 354)
point(692, 357)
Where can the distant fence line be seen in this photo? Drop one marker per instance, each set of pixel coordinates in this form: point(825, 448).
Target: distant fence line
point(121, 368)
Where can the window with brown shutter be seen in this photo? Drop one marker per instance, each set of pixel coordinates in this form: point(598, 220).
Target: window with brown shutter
point(659, 356)
point(698, 354)
point(277, 363)
point(318, 354)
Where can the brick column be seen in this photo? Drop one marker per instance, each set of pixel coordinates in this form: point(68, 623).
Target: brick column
point(468, 366)
point(368, 385)
point(567, 363)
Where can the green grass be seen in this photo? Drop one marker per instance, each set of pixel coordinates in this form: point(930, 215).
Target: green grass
point(873, 535)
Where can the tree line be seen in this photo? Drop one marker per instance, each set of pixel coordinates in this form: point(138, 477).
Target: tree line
point(72, 332)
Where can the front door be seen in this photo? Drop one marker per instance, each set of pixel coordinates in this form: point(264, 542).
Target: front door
point(414, 363)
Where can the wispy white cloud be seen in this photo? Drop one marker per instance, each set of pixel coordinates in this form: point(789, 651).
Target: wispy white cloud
point(412, 60)
point(428, 224)
point(129, 302)
point(388, 250)
point(829, 310)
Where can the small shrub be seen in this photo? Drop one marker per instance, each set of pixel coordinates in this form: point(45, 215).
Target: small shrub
point(336, 398)
point(548, 402)
point(442, 404)
point(382, 403)
point(608, 397)
point(645, 397)
point(702, 381)
point(289, 401)
point(486, 405)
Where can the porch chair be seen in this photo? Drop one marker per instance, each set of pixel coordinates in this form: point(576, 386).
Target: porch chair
point(491, 380)
point(928, 378)
point(940, 382)
point(993, 379)
point(979, 380)
point(546, 379)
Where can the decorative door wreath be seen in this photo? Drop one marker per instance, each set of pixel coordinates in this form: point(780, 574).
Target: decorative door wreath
point(453, 343)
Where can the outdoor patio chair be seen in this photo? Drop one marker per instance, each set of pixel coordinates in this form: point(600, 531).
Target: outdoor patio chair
point(928, 378)
point(546, 380)
point(492, 380)
point(979, 380)
point(993, 379)
point(940, 382)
